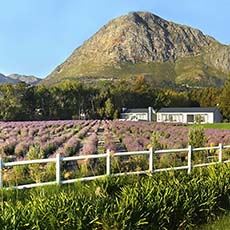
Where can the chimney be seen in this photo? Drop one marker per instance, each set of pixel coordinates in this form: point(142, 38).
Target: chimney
point(150, 113)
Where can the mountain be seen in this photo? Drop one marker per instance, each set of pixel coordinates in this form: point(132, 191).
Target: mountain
point(32, 80)
point(16, 78)
point(141, 43)
point(4, 79)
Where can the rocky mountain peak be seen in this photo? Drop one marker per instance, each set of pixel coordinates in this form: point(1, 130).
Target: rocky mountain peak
point(16, 78)
point(138, 37)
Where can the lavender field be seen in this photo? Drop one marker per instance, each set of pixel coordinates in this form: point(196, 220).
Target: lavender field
point(37, 140)
point(71, 138)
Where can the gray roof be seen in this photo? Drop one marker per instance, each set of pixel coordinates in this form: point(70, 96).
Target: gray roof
point(190, 109)
point(138, 110)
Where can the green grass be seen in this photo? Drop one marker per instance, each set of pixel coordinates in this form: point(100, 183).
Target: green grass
point(225, 126)
point(221, 224)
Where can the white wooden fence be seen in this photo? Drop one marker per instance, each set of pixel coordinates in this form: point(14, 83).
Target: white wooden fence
point(58, 161)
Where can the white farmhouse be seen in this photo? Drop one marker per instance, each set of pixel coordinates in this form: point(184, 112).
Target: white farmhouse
point(175, 115)
point(139, 114)
point(189, 115)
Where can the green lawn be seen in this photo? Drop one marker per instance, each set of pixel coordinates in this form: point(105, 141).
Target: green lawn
point(221, 224)
point(217, 126)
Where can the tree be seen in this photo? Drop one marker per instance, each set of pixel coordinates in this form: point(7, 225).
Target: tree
point(109, 109)
point(224, 100)
point(16, 102)
point(45, 105)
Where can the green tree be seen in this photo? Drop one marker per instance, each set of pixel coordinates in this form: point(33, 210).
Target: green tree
point(224, 100)
point(109, 109)
point(16, 102)
point(45, 105)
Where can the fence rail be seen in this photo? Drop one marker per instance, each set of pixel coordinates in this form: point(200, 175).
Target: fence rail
point(58, 161)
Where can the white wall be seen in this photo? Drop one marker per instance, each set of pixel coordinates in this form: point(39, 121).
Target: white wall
point(133, 116)
point(182, 117)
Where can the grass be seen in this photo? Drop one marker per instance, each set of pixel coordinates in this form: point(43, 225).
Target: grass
point(225, 126)
point(221, 224)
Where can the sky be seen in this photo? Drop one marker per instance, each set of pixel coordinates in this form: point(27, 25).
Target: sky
point(38, 35)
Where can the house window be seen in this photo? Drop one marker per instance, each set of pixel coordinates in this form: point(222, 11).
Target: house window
point(190, 118)
point(201, 118)
point(164, 117)
point(141, 116)
point(171, 117)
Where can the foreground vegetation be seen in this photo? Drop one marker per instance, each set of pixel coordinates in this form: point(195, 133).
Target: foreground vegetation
point(161, 201)
point(221, 224)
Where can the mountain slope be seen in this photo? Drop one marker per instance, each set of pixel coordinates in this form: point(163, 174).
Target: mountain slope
point(143, 43)
point(16, 78)
point(32, 80)
point(4, 79)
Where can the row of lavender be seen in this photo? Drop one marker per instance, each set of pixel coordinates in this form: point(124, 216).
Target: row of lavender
point(52, 137)
point(81, 137)
point(137, 136)
point(33, 140)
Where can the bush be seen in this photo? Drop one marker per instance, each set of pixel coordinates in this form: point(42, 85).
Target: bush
point(197, 137)
point(155, 140)
point(36, 171)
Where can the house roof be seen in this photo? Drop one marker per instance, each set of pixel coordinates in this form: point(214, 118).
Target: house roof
point(138, 110)
point(189, 109)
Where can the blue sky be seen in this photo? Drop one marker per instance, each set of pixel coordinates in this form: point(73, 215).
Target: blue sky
point(37, 35)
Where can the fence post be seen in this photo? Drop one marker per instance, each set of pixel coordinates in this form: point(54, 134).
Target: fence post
point(58, 168)
point(1, 168)
point(220, 152)
point(151, 160)
point(189, 159)
point(108, 162)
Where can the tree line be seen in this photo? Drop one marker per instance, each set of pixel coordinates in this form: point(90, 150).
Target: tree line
point(69, 100)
